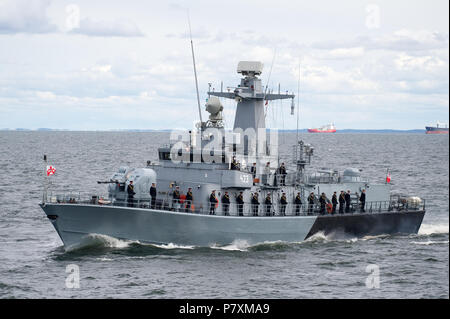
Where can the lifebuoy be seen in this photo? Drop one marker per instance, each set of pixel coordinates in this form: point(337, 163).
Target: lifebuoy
point(182, 198)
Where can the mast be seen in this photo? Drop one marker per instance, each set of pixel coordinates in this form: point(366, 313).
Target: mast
point(250, 96)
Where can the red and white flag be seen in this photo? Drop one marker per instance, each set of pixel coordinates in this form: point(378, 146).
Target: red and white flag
point(388, 177)
point(50, 170)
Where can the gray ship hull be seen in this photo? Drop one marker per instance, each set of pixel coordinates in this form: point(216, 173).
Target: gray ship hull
point(74, 222)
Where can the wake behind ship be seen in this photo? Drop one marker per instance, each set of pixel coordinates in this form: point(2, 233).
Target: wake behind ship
point(212, 187)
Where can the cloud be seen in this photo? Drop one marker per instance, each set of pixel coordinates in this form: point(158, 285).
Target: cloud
point(342, 53)
point(22, 16)
point(197, 33)
point(401, 40)
point(122, 28)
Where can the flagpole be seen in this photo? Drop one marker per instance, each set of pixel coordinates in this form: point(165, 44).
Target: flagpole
point(44, 195)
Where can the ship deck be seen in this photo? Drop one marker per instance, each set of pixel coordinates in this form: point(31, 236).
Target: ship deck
point(246, 209)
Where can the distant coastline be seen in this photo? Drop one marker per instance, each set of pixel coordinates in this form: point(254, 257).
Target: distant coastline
point(413, 131)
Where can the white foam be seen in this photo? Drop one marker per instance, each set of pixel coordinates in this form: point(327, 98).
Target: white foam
point(430, 242)
point(320, 237)
point(236, 245)
point(98, 240)
point(171, 246)
point(368, 237)
point(427, 229)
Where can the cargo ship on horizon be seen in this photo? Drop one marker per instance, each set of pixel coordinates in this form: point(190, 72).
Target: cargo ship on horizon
point(438, 129)
point(330, 128)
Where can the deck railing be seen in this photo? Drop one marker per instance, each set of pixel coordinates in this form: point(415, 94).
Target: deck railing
point(245, 209)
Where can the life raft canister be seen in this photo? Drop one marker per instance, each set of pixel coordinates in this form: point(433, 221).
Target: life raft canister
point(329, 208)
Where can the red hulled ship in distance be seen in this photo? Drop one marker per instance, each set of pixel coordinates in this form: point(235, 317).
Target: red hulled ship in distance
point(330, 128)
point(438, 129)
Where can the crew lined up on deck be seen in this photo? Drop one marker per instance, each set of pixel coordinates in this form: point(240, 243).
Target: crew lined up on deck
point(325, 205)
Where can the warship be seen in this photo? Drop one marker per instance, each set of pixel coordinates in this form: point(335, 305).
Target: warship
point(214, 186)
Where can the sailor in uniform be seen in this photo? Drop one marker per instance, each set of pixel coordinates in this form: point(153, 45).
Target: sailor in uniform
point(283, 173)
point(189, 199)
point(348, 201)
point(341, 202)
point(311, 202)
point(323, 201)
point(176, 198)
point(131, 193)
point(334, 201)
point(362, 199)
point(267, 173)
point(268, 204)
point(234, 164)
point(212, 203)
point(298, 204)
point(226, 203)
point(240, 204)
point(255, 204)
point(283, 202)
point(153, 195)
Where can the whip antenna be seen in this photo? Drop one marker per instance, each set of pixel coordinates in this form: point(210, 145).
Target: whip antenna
point(298, 97)
point(195, 70)
point(268, 79)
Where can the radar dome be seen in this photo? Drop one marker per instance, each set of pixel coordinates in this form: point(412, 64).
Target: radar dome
point(213, 106)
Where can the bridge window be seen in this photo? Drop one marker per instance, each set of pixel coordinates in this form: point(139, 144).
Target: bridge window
point(164, 156)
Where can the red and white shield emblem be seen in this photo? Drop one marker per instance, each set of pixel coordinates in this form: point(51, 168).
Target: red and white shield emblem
point(50, 170)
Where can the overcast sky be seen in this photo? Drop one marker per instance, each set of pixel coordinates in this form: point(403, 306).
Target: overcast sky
point(93, 65)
